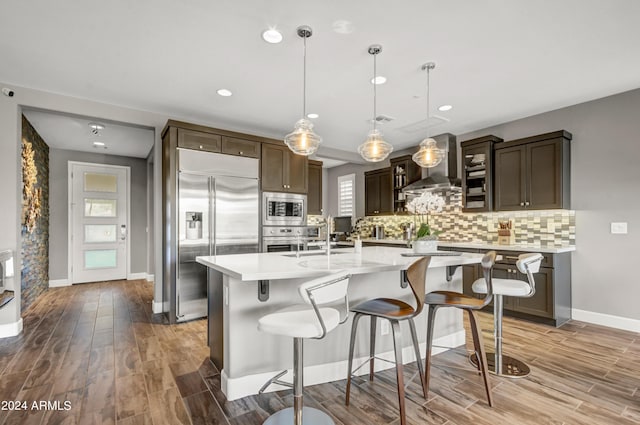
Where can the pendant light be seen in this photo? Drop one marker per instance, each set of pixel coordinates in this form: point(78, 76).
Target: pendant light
point(303, 141)
point(429, 154)
point(375, 149)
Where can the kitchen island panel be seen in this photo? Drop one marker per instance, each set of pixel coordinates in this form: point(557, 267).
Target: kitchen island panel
point(252, 357)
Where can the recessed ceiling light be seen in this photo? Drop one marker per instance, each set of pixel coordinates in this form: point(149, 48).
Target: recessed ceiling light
point(312, 116)
point(224, 92)
point(445, 108)
point(96, 126)
point(379, 80)
point(98, 144)
point(272, 36)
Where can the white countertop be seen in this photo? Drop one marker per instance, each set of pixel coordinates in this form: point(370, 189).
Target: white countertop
point(280, 265)
point(484, 245)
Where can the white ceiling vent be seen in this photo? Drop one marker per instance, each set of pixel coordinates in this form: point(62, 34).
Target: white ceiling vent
point(423, 125)
point(382, 119)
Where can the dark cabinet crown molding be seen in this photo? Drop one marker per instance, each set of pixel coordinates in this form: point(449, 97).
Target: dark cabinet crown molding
point(540, 137)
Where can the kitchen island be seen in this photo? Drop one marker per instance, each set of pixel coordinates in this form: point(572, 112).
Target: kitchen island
point(244, 287)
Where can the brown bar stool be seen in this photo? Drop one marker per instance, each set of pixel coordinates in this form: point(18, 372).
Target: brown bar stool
point(394, 311)
point(437, 299)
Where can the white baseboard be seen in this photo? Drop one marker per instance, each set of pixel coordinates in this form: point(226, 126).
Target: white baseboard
point(136, 276)
point(149, 277)
point(617, 322)
point(317, 374)
point(156, 307)
point(57, 283)
point(11, 329)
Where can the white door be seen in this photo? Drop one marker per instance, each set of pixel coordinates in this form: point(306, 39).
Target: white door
point(98, 227)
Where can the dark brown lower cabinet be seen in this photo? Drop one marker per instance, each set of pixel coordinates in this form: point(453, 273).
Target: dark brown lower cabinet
point(551, 303)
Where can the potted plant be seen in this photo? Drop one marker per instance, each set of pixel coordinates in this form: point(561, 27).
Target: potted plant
point(426, 239)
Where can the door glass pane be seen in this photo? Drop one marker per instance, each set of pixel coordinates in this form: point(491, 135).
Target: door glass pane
point(99, 182)
point(100, 207)
point(100, 259)
point(94, 233)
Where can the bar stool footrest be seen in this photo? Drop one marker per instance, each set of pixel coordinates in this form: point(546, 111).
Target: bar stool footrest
point(366, 362)
point(310, 416)
point(511, 367)
point(276, 380)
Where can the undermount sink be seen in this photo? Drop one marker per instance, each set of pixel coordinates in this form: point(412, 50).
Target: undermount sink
point(311, 254)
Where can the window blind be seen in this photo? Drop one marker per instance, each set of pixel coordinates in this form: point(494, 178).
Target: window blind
point(346, 191)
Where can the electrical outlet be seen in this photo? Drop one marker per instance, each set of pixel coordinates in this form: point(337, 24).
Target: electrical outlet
point(619, 228)
point(385, 327)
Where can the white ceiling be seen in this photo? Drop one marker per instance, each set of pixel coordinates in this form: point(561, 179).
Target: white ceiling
point(496, 60)
point(69, 132)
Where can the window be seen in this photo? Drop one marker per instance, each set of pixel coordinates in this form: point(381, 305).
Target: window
point(346, 195)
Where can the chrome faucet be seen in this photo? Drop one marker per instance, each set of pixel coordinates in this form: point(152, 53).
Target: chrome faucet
point(328, 221)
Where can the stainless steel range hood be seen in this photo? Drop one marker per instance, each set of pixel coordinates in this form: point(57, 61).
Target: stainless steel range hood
point(443, 177)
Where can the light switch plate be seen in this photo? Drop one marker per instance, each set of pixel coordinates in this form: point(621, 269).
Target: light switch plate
point(619, 228)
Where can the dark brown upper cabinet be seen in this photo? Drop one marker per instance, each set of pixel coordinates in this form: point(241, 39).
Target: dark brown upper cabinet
point(477, 174)
point(240, 147)
point(283, 170)
point(314, 196)
point(403, 172)
point(197, 140)
point(378, 192)
point(533, 173)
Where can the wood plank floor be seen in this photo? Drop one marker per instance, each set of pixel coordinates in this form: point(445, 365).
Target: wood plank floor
point(99, 348)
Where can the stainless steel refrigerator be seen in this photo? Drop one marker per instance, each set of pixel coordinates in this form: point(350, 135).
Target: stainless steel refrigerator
point(218, 214)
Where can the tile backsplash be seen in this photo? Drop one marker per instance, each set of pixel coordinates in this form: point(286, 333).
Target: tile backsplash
point(548, 227)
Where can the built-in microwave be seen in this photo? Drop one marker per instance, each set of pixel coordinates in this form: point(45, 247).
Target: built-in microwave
point(284, 209)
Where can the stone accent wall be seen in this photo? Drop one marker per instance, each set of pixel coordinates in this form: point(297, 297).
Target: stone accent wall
point(35, 241)
point(553, 228)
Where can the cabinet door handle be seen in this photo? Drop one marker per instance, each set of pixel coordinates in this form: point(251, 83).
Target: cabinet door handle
point(241, 153)
point(527, 203)
point(522, 204)
point(200, 146)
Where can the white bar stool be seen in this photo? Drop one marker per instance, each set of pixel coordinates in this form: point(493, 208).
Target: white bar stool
point(301, 322)
point(498, 363)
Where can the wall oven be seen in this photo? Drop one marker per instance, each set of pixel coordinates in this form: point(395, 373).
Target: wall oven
point(284, 209)
point(287, 238)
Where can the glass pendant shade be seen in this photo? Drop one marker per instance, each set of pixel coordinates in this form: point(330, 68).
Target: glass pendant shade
point(429, 154)
point(302, 140)
point(375, 149)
